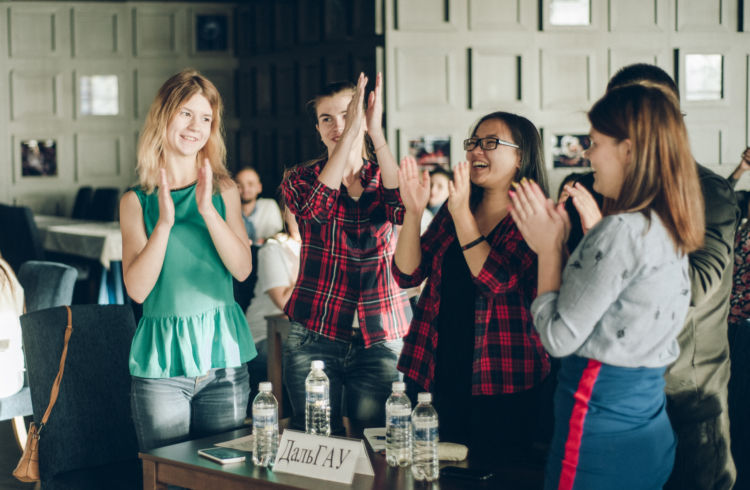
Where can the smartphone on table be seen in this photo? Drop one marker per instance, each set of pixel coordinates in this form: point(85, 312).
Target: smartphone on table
point(223, 455)
point(465, 473)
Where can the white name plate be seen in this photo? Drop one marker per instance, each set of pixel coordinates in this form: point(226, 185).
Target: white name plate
point(326, 458)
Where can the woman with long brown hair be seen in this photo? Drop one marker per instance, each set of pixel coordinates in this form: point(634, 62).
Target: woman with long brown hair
point(614, 309)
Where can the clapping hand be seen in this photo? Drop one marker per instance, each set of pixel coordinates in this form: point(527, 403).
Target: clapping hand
point(585, 204)
point(543, 224)
point(204, 188)
point(166, 204)
point(459, 190)
point(355, 112)
point(413, 187)
point(374, 112)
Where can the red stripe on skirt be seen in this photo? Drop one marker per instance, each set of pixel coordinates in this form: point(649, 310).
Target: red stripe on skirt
point(575, 426)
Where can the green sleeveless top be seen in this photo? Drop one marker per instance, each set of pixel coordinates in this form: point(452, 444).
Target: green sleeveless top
point(191, 322)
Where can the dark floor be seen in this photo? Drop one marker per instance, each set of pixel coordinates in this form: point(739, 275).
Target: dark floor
point(9, 456)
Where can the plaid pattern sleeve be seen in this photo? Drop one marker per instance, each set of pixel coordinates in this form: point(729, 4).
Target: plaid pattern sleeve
point(508, 354)
point(306, 196)
point(347, 247)
point(440, 228)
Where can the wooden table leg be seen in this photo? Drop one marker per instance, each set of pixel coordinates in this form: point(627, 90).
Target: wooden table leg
point(149, 477)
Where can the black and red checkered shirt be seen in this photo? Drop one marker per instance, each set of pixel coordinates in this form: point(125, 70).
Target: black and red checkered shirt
point(345, 259)
point(508, 355)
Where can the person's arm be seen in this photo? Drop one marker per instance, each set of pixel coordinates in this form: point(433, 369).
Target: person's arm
point(742, 167)
point(374, 120)
point(280, 295)
point(333, 171)
point(709, 263)
point(228, 236)
point(142, 256)
point(415, 192)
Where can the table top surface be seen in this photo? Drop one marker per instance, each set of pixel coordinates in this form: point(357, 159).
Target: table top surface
point(98, 240)
point(185, 454)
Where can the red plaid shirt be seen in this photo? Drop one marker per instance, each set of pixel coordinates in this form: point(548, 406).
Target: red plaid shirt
point(508, 355)
point(347, 247)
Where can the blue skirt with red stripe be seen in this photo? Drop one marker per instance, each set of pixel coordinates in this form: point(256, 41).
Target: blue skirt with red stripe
point(611, 428)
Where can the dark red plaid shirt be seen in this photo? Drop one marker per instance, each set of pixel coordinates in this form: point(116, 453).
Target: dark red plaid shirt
point(508, 355)
point(345, 258)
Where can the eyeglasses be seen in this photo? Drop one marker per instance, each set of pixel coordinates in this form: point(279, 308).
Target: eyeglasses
point(486, 143)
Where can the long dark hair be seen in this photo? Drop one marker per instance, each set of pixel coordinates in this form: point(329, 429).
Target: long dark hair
point(526, 136)
point(663, 175)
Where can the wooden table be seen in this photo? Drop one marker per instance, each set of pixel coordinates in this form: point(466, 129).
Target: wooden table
point(180, 465)
point(278, 330)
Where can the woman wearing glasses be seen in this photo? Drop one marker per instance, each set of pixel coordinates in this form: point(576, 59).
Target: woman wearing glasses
point(472, 342)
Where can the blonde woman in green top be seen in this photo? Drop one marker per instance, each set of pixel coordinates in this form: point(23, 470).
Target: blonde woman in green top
point(182, 241)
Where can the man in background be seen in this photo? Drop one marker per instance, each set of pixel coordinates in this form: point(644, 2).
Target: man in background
point(262, 216)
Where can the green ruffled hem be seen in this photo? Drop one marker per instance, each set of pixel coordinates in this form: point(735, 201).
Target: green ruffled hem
point(169, 346)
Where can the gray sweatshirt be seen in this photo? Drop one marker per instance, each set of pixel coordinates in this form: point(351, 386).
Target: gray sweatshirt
point(624, 296)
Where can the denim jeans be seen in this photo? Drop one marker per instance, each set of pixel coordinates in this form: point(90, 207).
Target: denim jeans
point(360, 379)
point(258, 371)
point(171, 410)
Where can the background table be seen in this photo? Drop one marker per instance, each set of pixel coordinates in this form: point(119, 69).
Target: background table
point(100, 241)
point(180, 465)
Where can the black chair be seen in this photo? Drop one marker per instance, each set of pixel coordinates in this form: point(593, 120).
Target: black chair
point(104, 204)
point(82, 204)
point(89, 441)
point(19, 236)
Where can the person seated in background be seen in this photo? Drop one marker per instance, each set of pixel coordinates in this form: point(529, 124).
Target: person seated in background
point(439, 178)
point(262, 216)
point(278, 266)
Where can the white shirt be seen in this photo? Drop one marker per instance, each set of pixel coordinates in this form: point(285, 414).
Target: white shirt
point(266, 217)
point(278, 266)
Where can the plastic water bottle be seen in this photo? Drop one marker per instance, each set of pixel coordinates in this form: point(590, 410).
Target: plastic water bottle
point(398, 427)
point(265, 426)
point(317, 401)
point(424, 422)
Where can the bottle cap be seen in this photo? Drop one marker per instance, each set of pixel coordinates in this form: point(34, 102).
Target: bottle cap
point(399, 386)
point(424, 397)
point(265, 387)
point(317, 365)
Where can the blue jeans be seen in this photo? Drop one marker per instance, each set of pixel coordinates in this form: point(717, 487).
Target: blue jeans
point(360, 379)
point(171, 410)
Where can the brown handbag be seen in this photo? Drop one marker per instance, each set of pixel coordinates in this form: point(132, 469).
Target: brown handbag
point(28, 467)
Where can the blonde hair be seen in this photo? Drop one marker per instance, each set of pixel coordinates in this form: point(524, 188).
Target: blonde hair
point(168, 101)
point(662, 176)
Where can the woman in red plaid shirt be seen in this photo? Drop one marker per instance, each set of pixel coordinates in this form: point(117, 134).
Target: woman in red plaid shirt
point(472, 342)
point(346, 309)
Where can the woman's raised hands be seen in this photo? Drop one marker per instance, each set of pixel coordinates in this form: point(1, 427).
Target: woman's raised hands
point(543, 225)
point(413, 186)
point(374, 112)
point(355, 111)
point(585, 204)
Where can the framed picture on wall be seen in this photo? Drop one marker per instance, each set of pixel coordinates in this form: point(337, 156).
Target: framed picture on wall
point(38, 158)
point(567, 149)
point(211, 32)
point(431, 151)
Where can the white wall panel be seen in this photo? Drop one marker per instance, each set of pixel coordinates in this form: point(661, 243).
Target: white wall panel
point(705, 15)
point(36, 94)
point(156, 32)
point(35, 32)
point(637, 15)
point(423, 78)
point(424, 15)
point(147, 85)
point(708, 142)
point(620, 57)
point(490, 15)
point(565, 78)
point(97, 156)
point(98, 32)
point(496, 75)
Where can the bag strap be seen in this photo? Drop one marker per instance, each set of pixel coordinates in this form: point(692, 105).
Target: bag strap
point(56, 385)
